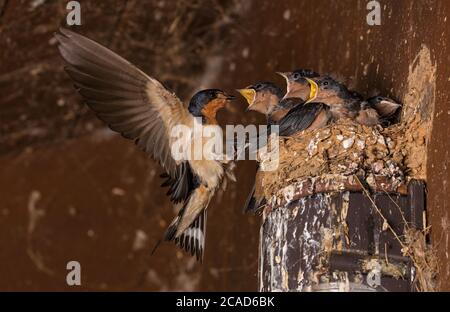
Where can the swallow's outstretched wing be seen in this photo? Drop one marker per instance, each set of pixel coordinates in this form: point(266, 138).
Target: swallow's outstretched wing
point(141, 109)
point(129, 102)
point(300, 118)
point(290, 103)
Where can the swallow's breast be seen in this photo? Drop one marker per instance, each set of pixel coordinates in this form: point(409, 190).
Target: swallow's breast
point(210, 172)
point(206, 154)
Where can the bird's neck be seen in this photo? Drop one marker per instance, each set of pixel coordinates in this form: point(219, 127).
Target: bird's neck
point(209, 112)
point(272, 103)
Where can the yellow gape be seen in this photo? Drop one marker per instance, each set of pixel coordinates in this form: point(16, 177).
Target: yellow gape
point(249, 95)
point(314, 90)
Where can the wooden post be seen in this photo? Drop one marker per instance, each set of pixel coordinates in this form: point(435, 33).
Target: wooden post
point(339, 241)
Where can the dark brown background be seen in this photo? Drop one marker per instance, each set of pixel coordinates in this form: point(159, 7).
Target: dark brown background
point(72, 190)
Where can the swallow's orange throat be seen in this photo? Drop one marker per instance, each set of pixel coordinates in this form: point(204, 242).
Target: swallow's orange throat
point(210, 110)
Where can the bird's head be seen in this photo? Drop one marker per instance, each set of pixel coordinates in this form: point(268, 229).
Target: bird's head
point(262, 97)
point(385, 106)
point(206, 103)
point(327, 90)
point(296, 84)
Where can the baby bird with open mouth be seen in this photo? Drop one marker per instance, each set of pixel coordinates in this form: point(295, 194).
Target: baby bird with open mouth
point(304, 111)
point(344, 103)
point(291, 114)
point(263, 97)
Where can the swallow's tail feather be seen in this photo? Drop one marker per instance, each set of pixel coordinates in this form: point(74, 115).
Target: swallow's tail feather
point(192, 240)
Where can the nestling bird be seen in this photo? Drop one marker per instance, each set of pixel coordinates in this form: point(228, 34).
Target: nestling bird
point(267, 98)
point(307, 116)
point(291, 114)
point(311, 102)
point(367, 115)
point(385, 107)
point(296, 84)
point(141, 109)
point(342, 102)
point(302, 115)
point(262, 97)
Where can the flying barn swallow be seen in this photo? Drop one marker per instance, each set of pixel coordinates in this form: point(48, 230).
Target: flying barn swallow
point(141, 109)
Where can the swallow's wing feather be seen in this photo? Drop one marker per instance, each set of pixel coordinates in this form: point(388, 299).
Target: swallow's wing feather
point(130, 102)
point(250, 202)
point(299, 118)
point(253, 204)
point(290, 103)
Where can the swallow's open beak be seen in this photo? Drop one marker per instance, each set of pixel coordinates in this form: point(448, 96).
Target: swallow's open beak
point(314, 90)
point(249, 95)
point(286, 76)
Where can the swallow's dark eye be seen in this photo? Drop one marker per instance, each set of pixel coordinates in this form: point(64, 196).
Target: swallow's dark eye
point(258, 86)
point(296, 76)
point(325, 83)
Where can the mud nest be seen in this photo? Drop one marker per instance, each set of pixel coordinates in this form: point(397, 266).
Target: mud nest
point(385, 158)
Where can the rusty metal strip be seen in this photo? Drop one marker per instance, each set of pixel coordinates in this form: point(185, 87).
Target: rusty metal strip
point(335, 183)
